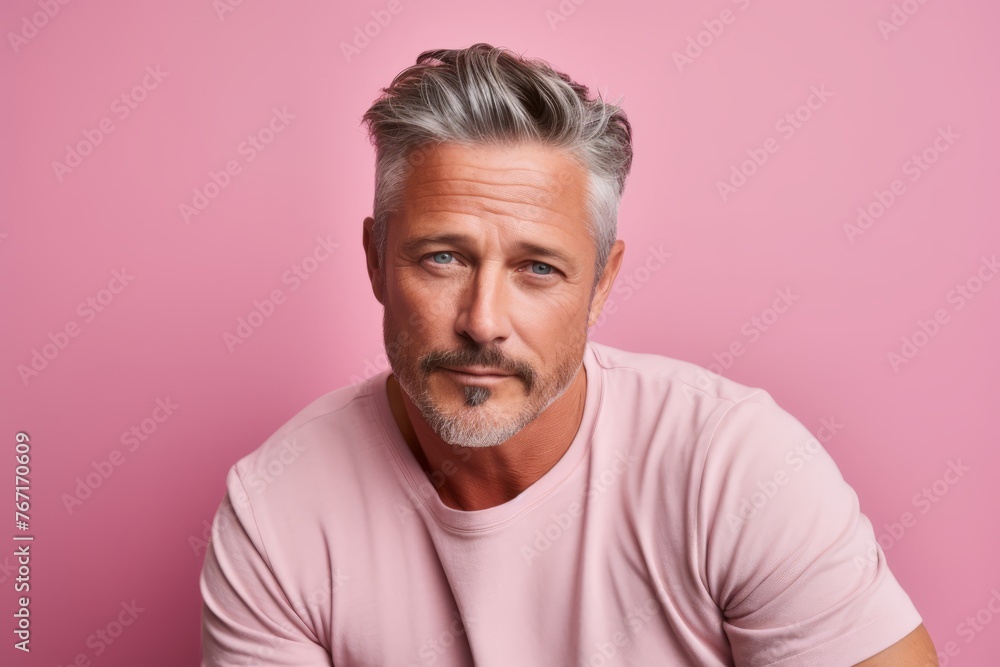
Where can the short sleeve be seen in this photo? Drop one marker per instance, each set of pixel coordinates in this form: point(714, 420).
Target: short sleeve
point(789, 558)
point(246, 617)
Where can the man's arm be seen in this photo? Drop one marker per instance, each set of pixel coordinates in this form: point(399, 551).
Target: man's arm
point(790, 559)
point(247, 617)
point(913, 650)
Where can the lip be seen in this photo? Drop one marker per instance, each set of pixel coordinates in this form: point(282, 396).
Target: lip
point(477, 371)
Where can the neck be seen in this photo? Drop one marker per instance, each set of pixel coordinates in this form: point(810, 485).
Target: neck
point(474, 478)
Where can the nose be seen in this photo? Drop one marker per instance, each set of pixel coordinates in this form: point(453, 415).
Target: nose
point(483, 314)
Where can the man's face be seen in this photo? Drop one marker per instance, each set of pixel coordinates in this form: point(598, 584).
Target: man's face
point(487, 286)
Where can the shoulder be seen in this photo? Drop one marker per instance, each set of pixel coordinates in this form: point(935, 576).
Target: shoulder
point(688, 426)
point(286, 495)
point(317, 430)
point(320, 453)
point(710, 446)
point(656, 398)
point(624, 368)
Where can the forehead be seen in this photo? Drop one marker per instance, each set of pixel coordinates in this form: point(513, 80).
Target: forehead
point(519, 182)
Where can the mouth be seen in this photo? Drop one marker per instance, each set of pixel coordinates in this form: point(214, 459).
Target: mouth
point(478, 371)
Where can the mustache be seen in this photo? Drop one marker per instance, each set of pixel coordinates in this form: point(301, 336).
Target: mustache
point(491, 357)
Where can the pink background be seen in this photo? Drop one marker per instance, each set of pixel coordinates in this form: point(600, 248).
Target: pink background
point(136, 537)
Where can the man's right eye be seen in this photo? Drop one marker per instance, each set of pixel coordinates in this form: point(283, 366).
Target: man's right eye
point(442, 257)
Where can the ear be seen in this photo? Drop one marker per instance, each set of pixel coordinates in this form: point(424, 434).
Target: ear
point(603, 289)
point(376, 273)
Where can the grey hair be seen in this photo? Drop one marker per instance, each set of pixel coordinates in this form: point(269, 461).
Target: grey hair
point(487, 95)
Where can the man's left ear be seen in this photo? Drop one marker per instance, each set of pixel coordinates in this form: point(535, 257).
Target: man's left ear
point(611, 268)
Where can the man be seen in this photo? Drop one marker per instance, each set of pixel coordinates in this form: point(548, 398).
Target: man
point(512, 494)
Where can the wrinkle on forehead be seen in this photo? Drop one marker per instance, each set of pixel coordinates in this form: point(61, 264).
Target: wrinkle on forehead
point(515, 188)
point(483, 205)
point(516, 172)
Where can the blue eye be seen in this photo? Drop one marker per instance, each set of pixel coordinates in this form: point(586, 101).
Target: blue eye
point(546, 268)
point(446, 255)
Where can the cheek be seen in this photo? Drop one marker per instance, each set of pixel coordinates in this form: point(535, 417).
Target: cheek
point(551, 333)
point(549, 316)
point(421, 313)
point(439, 299)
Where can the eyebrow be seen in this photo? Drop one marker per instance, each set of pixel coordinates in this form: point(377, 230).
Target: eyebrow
point(414, 245)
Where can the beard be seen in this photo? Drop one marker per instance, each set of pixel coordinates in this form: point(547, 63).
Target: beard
point(480, 421)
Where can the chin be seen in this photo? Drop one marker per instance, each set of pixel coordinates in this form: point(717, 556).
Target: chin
point(480, 426)
point(462, 436)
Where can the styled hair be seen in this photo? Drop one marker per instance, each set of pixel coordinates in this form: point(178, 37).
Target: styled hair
point(487, 95)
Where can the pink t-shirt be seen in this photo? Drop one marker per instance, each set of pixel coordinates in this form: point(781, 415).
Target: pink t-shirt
point(692, 521)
